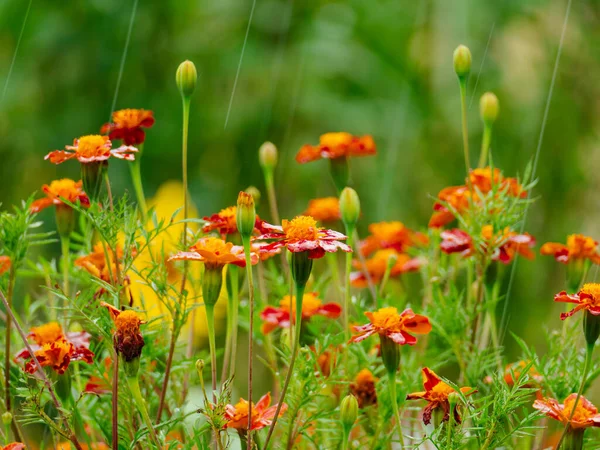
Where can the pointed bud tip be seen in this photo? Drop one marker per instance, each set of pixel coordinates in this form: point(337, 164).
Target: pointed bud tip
point(246, 214)
point(186, 78)
point(349, 206)
point(267, 155)
point(349, 411)
point(489, 108)
point(462, 61)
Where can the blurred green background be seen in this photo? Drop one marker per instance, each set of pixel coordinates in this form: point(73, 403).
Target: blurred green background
point(382, 67)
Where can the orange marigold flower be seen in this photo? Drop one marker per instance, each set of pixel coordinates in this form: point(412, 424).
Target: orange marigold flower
point(311, 305)
point(58, 190)
point(128, 338)
point(302, 234)
point(363, 388)
point(4, 264)
point(394, 235)
point(514, 371)
point(215, 253)
point(376, 267)
point(585, 414)
point(436, 393)
point(337, 145)
point(127, 125)
point(579, 247)
point(55, 348)
point(459, 198)
point(326, 209)
point(98, 265)
point(387, 322)
point(587, 298)
point(225, 222)
point(262, 415)
point(91, 148)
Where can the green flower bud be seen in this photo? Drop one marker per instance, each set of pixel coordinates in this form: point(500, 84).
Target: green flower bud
point(453, 400)
point(246, 214)
point(349, 207)
point(200, 367)
point(390, 354)
point(7, 418)
point(255, 193)
point(348, 412)
point(591, 328)
point(212, 281)
point(462, 61)
point(186, 78)
point(489, 108)
point(267, 156)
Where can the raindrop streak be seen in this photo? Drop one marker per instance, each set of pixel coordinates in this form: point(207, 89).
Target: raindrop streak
point(12, 64)
point(481, 66)
point(123, 58)
point(240, 63)
point(505, 320)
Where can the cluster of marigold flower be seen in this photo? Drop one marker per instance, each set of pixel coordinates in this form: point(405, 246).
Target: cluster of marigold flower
point(236, 238)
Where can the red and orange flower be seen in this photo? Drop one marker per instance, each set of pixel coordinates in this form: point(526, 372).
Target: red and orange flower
point(436, 393)
point(215, 253)
point(55, 349)
point(391, 235)
point(59, 190)
point(4, 264)
point(588, 298)
point(377, 265)
point(302, 234)
point(363, 388)
point(585, 414)
point(578, 248)
point(397, 327)
point(90, 149)
point(311, 306)
point(127, 125)
point(100, 264)
point(326, 209)
point(337, 145)
point(262, 414)
point(128, 337)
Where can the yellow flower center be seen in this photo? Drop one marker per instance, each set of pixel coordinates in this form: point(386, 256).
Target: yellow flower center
point(364, 377)
point(335, 139)
point(301, 227)
point(128, 118)
point(214, 245)
point(47, 333)
point(387, 231)
point(229, 214)
point(385, 318)
point(127, 322)
point(65, 188)
point(592, 289)
point(310, 304)
point(92, 145)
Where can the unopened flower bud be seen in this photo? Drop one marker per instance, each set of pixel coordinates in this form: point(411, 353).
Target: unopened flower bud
point(453, 400)
point(7, 418)
point(255, 193)
point(349, 207)
point(267, 155)
point(462, 61)
point(212, 281)
point(200, 367)
point(348, 412)
point(489, 108)
point(390, 354)
point(246, 214)
point(186, 78)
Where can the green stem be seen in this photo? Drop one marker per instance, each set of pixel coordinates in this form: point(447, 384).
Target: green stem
point(586, 368)
point(465, 131)
point(233, 302)
point(136, 178)
point(7, 350)
point(299, 296)
point(134, 387)
point(64, 243)
point(246, 242)
point(485, 145)
point(394, 398)
point(335, 271)
point(210, 320)
point(347, 289)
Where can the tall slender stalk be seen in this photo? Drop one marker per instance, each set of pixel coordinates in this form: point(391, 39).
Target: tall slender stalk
point(394, 398)
point(134, 386)
point(136, 179)
point(210, 322)
point(232, 319)
point(298, 325)
point(246, 242)
point(347, 291)
point(465, 130)
point(64, 244)
point(485, 145)
point(586, 368)
point(7, 351)
point(115, 402)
